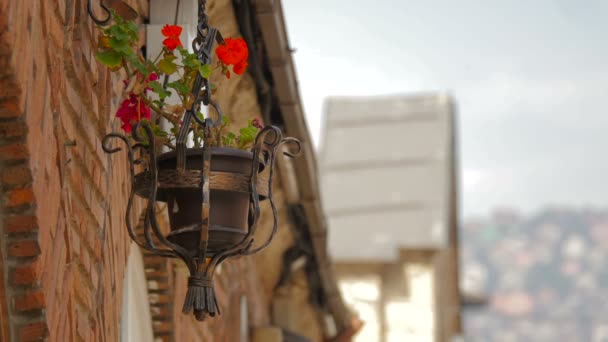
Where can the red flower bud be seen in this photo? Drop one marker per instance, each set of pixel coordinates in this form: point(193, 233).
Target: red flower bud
point(257, 123)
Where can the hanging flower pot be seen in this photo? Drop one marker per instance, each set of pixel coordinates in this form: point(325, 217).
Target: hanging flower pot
point(212, 191)
point(229, 214)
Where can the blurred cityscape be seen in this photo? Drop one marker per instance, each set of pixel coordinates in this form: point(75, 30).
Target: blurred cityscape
point(545, 275)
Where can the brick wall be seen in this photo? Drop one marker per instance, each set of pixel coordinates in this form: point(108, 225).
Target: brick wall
point(64, 244)
point(66, 249)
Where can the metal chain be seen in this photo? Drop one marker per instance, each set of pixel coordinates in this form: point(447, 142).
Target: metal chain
point(202, 45)
point(203, 25)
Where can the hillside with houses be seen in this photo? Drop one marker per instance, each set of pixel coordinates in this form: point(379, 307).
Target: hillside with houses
point(545, 275)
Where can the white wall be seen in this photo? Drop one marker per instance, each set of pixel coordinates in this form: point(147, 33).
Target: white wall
point(136, 321)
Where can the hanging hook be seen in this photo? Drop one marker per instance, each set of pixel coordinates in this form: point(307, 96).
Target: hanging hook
point(101, 22)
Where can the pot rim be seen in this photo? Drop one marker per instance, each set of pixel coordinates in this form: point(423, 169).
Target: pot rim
point(215, 150)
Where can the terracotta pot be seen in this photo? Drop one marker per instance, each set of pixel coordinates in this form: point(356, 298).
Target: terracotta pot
point(229, 210)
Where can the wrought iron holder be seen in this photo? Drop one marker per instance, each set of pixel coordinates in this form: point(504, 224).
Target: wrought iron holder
point(157, 182)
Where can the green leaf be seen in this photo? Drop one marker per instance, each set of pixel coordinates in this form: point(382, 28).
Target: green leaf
point(170, 57)
point(226, 120)
point(247, 136)
point(180, 87)
point(229, 139)
point(191, 61)
point(151, 67)
point(132, 29)
point(117, 31)
point(141, 67)
point(167, 66)
point(200, 115)
point(117, 17)
point(204, 70)
point(109, 58)
point(120, 45)
point(158, 131)
point(158, 89)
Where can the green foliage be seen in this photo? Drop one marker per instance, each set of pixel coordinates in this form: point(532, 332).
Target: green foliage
point(244, 140)
point(189, 60)
point(143, 68)
point(229, 139)
point(204, 70)
point(109, 58)
point(248, 135)
point(200, 116)
point(158, 89)
point(158, 131)
point(181, 88)
point(167, 64)
point(117, 42)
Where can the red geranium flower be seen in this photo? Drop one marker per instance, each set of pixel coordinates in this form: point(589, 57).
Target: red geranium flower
point(239, 68)
point(131, 111)
point(234, 52)
point(172, 32)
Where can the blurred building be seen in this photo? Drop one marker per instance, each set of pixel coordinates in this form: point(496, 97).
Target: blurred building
point(388, 180)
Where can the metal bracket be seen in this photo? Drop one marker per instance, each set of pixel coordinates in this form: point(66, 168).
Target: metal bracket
point(119, 6)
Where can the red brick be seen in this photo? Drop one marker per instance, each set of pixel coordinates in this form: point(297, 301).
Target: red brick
point(33, 332)
point(20, 224)
point(25, 274)
point(15, 151)
point(83, 292)
point(97, 249)
point(26, 248)
point(82, 324)
point(85, 258)
point(94, 276)
point(162, 327)
point(155, 298)
point(18, 197)
point(13, 129)
point(30, 301)
point(16, 175)
point(9, 108)
point(9, 88)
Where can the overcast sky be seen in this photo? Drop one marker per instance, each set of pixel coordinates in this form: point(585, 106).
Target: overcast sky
point(530, 78)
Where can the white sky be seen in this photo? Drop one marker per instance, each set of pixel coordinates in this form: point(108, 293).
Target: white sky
point(530, 78)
